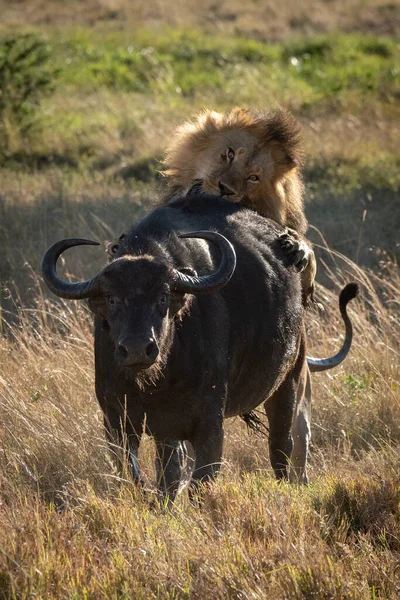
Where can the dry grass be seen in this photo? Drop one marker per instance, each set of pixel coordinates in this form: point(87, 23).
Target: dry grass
point(263, 19)
point(71, 528)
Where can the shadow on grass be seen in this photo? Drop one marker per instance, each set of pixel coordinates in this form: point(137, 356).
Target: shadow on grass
point(36, 212)
point(362, 225)
point(38, 208)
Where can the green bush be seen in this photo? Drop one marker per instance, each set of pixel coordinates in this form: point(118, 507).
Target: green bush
point(25, 77)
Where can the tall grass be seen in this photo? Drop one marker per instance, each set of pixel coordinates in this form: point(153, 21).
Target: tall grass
point(71, 527)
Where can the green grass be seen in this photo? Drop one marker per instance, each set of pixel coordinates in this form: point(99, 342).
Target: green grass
point(179, 68)
point(190, 63)
point(119, 94)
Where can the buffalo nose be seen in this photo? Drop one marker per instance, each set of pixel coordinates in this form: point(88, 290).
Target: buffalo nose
point(225, 191)
point(137, 352)
point(152, 351)
point(122, 350)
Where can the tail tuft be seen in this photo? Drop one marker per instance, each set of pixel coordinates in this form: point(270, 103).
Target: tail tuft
point(254, 423)
point(350, 291)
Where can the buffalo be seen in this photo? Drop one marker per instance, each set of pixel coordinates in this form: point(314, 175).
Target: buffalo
point(198, 318)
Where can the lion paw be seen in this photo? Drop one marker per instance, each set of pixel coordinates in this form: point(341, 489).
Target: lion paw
point(296, 251)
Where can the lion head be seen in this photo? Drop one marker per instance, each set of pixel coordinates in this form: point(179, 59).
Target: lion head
point(248, 156)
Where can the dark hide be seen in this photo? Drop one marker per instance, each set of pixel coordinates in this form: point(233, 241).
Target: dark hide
point(219, 354)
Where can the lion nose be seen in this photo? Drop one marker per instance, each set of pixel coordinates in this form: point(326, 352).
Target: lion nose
point(225, 191)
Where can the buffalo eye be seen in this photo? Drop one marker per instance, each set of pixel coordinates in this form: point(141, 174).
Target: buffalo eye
point(112, 300)
point(163, 299)
point(253, 178)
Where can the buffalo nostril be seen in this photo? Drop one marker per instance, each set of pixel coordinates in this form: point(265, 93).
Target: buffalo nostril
point(123, 350)
point(225, 191)
point(152, 350)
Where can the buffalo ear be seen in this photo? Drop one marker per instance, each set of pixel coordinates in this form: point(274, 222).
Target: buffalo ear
point(180, 303)
point(112, 249)
point(98, 306)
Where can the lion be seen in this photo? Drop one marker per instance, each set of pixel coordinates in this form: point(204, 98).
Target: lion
point(251, 157)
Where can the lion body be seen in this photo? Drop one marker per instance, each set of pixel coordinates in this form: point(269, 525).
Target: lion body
point(264, 145)
point(250, 157)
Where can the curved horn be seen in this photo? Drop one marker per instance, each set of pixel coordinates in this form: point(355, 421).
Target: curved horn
point(190, 284)
point(349, 292)
point(65, 289)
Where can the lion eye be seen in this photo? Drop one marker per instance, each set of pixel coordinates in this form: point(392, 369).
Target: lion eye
point(230, 154)
point(253, 178)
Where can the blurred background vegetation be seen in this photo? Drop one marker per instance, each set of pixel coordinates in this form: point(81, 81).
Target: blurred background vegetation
point(90, 92)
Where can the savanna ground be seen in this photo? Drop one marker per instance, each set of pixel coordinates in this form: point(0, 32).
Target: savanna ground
point(107, 82)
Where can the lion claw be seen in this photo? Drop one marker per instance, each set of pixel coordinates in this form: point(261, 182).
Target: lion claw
point(296, 251)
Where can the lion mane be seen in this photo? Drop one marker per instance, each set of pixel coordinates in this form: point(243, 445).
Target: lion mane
point(250, 156)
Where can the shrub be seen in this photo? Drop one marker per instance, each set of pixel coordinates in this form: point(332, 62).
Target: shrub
point(25, 77)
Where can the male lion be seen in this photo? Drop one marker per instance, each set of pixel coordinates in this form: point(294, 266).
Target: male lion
point(251, 157)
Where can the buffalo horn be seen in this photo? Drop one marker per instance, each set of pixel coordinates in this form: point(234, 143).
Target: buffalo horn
point(191, 284)
point(66, 289)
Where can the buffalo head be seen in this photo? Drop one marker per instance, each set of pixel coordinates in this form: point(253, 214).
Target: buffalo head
point(138, 296)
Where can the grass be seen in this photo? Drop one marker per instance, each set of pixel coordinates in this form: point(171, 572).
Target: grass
point(259, 19)
point(132, 551)
point(70, 527)
point(186, 62)
point(102, 79)
point(98, 140)
point(118, 94)
point(127, 73)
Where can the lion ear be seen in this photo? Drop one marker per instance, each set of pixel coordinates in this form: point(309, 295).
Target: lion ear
point(285, 162)
point(282, 133)
point(291, 161)
point(210, 117)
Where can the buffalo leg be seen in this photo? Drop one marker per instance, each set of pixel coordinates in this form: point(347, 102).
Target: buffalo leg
point(301, 430)
point(170, 460)
point(280, 409)
point(207, 445)
point(124, 444)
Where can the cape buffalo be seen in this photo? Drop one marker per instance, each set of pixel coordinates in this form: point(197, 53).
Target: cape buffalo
point(183, 339)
